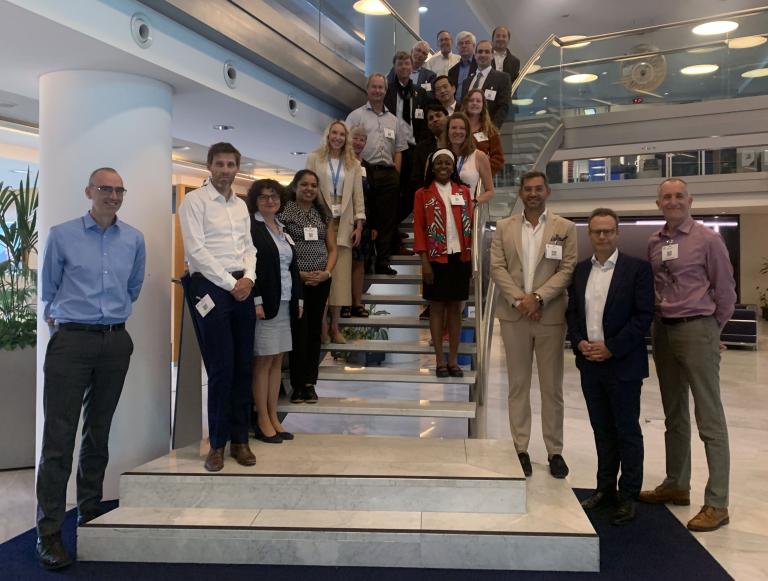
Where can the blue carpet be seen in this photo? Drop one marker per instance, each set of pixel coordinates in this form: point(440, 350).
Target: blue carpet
point(656, 547)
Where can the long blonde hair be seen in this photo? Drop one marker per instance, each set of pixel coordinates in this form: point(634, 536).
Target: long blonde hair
point(486, 125)
point(323, 152)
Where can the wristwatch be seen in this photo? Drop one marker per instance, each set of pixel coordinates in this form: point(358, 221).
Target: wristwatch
point(538, 298)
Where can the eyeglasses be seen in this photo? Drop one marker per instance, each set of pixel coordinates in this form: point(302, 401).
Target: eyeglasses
point(110, 189)
point(610, 232)
point(268, 197)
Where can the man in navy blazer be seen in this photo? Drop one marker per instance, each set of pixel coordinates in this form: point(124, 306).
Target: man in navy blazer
point(610, 309)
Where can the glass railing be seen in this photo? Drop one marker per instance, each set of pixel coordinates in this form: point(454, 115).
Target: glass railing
point(682, 62)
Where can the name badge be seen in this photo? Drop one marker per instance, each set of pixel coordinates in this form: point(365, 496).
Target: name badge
point(457, 200)
point(204, 305)
point(289, 239)
point(310, 233)
point(389, 133)
point(427, 87)
point(490, 95)
point(480, 136)
point(335, 211)
point(418, 113)
point(363, 172)
point(554, 251)
point(669, 252)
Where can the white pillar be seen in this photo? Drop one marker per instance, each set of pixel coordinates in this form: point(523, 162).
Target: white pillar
point(91, 119)
point(384, 35)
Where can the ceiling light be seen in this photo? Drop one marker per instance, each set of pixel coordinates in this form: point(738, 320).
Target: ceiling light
point(534, 68)
point(423, 9)
point(181, 147)
point(298, 153)
point(746, 41)
point(755, 73)
point(223, 127)
point(573, 37)
point(715, 27)
point(704, 49)
point(541, 112)
point(522, 101)
point(699, 69)
point(372, 7)
point(580, 78)
point(19, 171)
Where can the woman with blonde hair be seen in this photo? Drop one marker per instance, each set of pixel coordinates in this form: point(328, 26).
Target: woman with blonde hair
point(471, 165)
point(341, 186)
point(484, 133)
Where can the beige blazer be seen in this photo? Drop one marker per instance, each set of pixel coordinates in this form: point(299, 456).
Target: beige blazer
point(352, 204)
point(551, 277)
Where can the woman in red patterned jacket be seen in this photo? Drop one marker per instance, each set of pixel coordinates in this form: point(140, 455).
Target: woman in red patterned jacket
point(442, 225)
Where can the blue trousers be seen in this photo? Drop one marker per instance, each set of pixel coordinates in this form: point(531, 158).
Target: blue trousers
point(614, 412)
point(225, 336)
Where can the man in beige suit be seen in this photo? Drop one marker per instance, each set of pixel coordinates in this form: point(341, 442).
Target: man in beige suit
point(533, 256)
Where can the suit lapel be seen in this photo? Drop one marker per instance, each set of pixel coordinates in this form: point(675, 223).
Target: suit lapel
point(549, 229)
point(517, 235)
point(618, 273)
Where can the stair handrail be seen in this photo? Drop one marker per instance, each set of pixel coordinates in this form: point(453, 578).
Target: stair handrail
point(480, 215)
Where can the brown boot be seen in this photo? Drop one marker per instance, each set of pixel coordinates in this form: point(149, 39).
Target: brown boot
point(709, 518)
point(242, 454)
point(215, 460)
point(665, 495)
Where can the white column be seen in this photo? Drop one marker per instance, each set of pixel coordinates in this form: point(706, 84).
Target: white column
point(384, 36)
point(91, 119)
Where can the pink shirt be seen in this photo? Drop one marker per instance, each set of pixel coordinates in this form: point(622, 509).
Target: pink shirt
point(700, 280)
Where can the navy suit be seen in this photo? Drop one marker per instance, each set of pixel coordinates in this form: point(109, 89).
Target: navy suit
point(500, 82)
point(612, 387)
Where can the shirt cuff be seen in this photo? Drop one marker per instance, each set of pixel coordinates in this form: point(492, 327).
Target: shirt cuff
point(258, 300)
point(251, 274)
point(301, 303)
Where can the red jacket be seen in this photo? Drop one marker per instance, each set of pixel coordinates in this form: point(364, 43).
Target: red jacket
point(429, 223)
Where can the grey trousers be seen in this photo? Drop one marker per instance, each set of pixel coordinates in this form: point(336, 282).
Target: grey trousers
point(83, 370)
point(687, 357)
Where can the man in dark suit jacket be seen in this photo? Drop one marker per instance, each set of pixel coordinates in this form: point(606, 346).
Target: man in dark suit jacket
point(414, 98)
point(495, 85)
point(610, 309)
point(420, 75)
point(466, 43)
point(510, 64)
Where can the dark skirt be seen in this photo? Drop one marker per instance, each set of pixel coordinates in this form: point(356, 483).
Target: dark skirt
point(451, 280)
point(363, 250)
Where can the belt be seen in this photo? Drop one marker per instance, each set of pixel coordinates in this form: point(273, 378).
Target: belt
point(92, 328)
point(238, 274)
point(678, 320)
point(382, 167)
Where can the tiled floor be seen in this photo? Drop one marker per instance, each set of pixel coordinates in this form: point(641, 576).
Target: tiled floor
point(741, 547)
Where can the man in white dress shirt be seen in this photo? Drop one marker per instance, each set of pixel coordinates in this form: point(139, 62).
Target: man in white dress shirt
point(442, 61)
point(221, 258)
point(610, 309)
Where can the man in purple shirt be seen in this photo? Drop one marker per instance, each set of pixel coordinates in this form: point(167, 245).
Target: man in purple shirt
point(695, 297)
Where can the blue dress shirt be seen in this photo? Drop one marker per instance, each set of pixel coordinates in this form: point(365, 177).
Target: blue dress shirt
point(91, 275)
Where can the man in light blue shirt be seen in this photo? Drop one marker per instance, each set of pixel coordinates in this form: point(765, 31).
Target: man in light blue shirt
point(93, 269)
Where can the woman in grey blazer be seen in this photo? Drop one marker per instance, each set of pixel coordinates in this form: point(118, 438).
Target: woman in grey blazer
point(341, 184)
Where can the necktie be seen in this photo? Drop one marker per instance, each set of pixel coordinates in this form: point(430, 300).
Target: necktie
point(478, 80)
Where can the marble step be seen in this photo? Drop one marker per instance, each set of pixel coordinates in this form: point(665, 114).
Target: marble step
point(379, 299)
point(388, 346)
point(358, 406)
point(554, 535)
point(414, 260)
point(395, 322)
point(393, 278)
point(391, 374)
point(338, 472)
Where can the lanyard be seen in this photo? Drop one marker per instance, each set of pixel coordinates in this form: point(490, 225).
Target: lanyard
point(460, 164)
point(334, 176)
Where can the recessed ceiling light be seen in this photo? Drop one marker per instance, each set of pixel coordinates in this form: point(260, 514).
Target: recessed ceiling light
point(746, 41)
point(573, 37)
point(704, 49)
point(223, 127)
point(534, 68)
point(298, 153)
point(580, 78)
point(755, 73)
point(715, 27)
point(181, 147)
point(423, 9)
point(372, 7)
point(699, 69)
point(541, 112)
point(522, 101)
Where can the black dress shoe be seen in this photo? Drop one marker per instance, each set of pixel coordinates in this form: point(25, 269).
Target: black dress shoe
point(310, 395)
point(285, 435)
point(624, 513)
point(525, 462)
point(276, 439)
point(298, 395)
point(557, 466)
point(599, 499)
point(51, 552)
point(385, 269)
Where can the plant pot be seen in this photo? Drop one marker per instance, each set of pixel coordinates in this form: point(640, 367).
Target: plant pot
point(17, 412)
point(367, 358)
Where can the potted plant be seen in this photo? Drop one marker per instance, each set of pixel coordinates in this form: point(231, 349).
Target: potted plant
point(18, 322)
point(366, 333)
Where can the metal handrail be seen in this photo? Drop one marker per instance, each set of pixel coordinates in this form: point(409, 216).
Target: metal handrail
point(531, 61)
point(479, 218)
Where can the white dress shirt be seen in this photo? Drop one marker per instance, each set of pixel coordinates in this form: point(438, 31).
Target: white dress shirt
point(479, 79)
point(452, 243)
point(498, 59)
point(597, 291)
point(217, 236)
point(531, 248)
point(451, 108)
point(440, 64)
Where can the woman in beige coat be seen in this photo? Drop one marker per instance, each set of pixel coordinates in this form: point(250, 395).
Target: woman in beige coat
point(341, 184)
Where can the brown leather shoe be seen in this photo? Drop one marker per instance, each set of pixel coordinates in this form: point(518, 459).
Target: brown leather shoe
point(709, 518)
point(665, 495)
point(215, 460)
point(242, 454)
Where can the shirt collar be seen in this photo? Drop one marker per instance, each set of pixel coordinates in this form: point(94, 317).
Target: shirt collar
point(259, 218)
point(214, 194)
point(369, 107)
point(609, 264)
point(91, 224)
point(542, 218)
point(685, 228)
point(484, 71)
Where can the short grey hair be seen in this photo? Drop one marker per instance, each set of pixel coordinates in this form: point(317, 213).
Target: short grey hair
point(679, 180)
point(106, 169)
point(374, 75)
point(465, 34)
point(422, 42)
